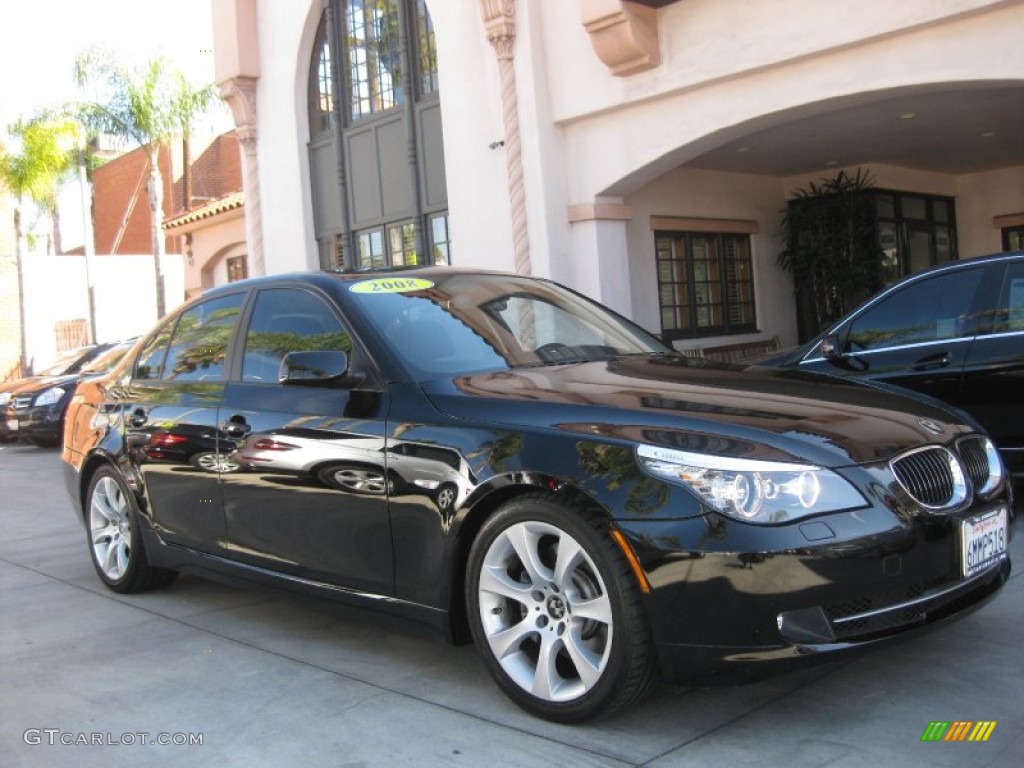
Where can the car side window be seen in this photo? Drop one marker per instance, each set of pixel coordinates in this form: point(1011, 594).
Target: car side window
point(1008, 316)
point(933, 309)
point(199, 346)
point(150, 362)
point(289, 320)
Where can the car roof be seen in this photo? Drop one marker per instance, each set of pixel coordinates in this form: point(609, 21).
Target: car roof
point(971, 261)
point(325, 278)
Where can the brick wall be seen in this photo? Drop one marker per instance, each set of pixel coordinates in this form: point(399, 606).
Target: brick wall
point(216, 171)
point(120, 228)
point(121, 218)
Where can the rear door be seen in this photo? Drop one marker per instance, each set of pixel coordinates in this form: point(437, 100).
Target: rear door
point(311, 495)
point(170, 417)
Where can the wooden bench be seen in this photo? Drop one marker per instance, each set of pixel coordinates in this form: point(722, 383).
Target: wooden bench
point(734, 353)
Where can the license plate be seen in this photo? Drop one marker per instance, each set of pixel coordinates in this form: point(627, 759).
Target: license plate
point(12, 424)
point(982, 541)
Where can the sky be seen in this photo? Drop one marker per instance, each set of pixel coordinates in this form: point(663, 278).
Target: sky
point(42, 38)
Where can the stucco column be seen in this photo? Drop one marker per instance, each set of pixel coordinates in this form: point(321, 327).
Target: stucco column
point(500, 25)
point(237, 66)
point(601, 252)
point(240, 95)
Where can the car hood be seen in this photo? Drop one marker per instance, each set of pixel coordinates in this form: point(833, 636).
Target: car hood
point(10, 386)
point(699, 406)
point(38, 385)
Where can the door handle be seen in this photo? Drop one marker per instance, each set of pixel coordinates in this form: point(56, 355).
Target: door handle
point(138, 418)
point(236, 426)
point(940, 360)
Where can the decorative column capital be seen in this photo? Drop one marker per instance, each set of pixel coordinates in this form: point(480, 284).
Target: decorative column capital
point(624, 34)
point(500, 25)
point(240, 95)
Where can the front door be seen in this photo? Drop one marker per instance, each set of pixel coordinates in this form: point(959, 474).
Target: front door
point(917, 336)
point(311, 495)
point(994, 371)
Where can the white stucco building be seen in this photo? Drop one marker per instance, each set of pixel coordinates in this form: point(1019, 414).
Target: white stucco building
point(641, 152)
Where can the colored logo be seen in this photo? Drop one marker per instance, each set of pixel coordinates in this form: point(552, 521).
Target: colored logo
point(958, 730)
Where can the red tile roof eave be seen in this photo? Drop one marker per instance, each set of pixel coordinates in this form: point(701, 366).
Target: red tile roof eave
point(215, 208)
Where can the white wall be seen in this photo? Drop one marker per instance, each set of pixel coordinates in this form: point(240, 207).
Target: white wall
point(980, 197)
point(286, 31)
point(706, 42)
point(471, 113)
point(720, 78)
point(125, 297)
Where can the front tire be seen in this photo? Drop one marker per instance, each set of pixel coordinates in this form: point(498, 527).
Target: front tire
point(115, 541)
point(556, 612)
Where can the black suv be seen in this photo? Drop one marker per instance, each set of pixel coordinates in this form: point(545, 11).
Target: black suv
point(70, 362)
point(35, 410)
point(955, 332)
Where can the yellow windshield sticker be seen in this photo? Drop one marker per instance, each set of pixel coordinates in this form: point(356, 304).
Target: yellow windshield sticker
point(391, 285)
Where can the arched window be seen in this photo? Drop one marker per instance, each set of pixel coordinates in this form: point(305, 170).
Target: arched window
point(321, 84)
point(373, 37)
point(369, 208)
point(428, 49)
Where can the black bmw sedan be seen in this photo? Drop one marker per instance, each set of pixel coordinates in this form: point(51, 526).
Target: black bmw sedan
point(504, 460)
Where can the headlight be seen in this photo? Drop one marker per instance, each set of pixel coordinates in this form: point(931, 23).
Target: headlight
point(5, 398)
point(50, 396)
point(752, 490)
point(996, 471)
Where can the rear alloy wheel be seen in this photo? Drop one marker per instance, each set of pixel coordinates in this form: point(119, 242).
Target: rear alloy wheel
point(446, 496)
point(556, 612)
point(356, 479)
point(211, 461)
point(115, 542)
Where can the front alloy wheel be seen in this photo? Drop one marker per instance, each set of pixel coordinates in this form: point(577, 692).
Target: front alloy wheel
point(556, 612)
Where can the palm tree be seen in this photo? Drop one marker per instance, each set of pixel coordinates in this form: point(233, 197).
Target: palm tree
point(148, 107)
point(47, 151)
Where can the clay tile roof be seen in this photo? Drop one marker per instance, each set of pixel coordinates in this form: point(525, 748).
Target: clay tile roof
point(211, 209)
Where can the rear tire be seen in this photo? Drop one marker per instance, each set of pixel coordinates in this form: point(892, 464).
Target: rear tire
point(556, 611)
point(115, 541)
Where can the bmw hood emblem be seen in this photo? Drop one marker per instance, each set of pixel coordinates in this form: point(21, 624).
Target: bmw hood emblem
point(933, 427)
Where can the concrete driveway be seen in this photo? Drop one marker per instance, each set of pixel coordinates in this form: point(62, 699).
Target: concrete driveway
point(266, 679)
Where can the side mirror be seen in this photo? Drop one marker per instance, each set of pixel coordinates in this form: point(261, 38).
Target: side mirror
point(312, 367)
point(830, 347)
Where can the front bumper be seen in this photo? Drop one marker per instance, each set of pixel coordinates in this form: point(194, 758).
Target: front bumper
point(39, 423)
point(726, 613)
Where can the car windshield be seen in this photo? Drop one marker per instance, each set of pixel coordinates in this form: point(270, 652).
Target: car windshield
point(464, 323)
point(66, 363)
point(107, 360)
